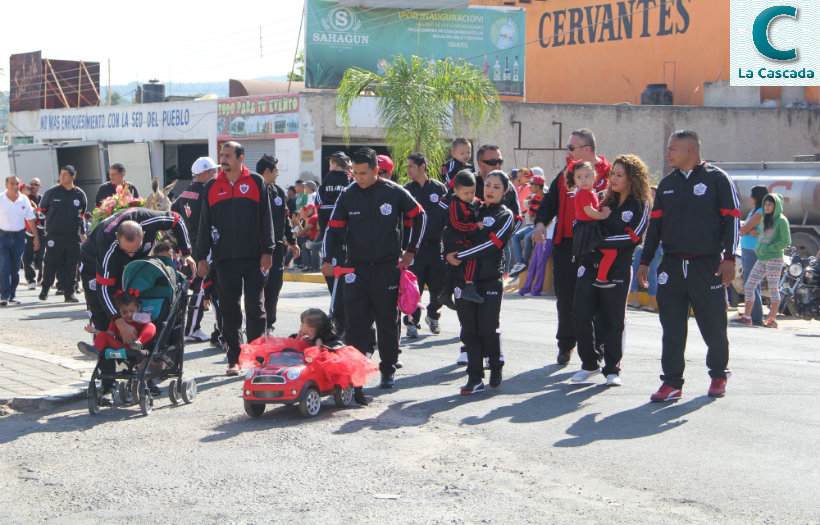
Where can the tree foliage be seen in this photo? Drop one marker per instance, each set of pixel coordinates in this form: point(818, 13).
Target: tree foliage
point(299, 74)
point(421, 105)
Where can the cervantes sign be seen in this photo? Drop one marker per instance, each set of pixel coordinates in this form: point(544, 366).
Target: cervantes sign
point(607, 52)
point(265, 117)
point(339, 37)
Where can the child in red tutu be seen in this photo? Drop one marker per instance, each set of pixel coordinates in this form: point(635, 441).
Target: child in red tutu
point(109, 342)
point(341, 364)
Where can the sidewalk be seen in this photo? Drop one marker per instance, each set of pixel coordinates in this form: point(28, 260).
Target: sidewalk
point(34, 380)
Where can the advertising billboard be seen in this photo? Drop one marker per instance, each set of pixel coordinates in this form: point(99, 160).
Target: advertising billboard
point(339, 37)
point(264, 117)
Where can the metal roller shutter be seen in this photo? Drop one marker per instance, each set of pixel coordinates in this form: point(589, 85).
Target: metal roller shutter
point(254, 149)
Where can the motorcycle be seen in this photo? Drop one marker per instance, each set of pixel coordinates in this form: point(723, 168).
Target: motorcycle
point(800, 286)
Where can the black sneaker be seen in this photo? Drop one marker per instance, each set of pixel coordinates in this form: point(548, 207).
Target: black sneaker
point(358, 396)
point(43, 295)
point(388, 380)
point(495, 378)
point(59, 291)
point(472, 387)
point(469, 293)
point(71, 299)
point(447, 300)
point(564, 356)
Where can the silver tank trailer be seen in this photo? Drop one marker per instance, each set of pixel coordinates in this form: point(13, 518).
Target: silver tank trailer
point(797, 182)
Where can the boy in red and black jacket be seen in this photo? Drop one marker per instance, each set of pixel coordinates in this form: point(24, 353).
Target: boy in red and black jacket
point(461, 152)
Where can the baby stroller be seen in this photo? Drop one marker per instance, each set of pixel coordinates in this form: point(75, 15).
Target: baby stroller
point(163, 293)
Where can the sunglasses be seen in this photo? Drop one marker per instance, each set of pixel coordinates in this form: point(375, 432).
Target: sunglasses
point(32, 184)
point(493, 162)
point(573, 148)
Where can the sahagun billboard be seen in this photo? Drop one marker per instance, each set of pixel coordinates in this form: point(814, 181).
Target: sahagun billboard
point(339, 37)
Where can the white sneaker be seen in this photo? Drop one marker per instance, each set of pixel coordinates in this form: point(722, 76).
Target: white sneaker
point(412, 331)
point(32, 286)
point(613, 380)
point(517, 269)
point(197, 337)
point(462, 359)
point(582, 375)
point(432, 324)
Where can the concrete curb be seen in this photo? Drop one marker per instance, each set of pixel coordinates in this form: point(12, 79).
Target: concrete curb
point(301, 277)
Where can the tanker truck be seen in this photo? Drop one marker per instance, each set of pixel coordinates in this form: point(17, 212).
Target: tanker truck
point(797, 182)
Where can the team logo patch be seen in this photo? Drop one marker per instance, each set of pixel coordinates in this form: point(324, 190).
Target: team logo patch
point(76, 202)
point(350, 278)
point(187, 211)
point(214, 234)
point(244, 188)
point(626, 216)
point(278, 201)
point(663, 277)
point(699, 189)
point(457, 292)
point(434, 198)
point(581, 271)
point(50, 244)
point(488, 221)
point(386, 209)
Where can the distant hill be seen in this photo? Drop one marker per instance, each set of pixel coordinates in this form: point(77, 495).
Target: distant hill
point(179, 89)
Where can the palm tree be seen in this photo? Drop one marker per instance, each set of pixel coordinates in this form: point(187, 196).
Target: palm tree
point(421, 104)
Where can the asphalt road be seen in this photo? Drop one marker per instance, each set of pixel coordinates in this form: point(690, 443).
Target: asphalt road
point(538, 450)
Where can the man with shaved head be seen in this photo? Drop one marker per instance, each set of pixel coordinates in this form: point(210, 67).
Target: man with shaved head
point(125, 236)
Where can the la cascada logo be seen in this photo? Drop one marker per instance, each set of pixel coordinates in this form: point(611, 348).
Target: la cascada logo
point(774, 43)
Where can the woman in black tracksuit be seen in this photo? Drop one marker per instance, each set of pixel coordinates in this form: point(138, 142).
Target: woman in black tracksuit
point(628, 198)
point(480, 323)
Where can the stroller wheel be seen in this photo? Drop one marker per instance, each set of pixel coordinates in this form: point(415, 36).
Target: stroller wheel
point(126, 392)
point(343, 396)
point(93, 393)
point(310, 404)
point(189, 390)
point(146, 404)
point(173, 391)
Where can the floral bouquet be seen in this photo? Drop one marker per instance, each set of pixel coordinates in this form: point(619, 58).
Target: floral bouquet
point(121, 200)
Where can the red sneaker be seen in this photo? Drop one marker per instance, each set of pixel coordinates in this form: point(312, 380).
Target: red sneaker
point(666, 393)
point(718, 387)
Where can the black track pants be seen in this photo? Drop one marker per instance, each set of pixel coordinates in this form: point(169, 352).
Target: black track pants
point(233, 277)
point(274, 286)
point(606, 306)
point(429, 267)
point(372, 293)
point(62, 255)
point(481, 327)
point(691, 282)
point(33, 260)
point(96, 311)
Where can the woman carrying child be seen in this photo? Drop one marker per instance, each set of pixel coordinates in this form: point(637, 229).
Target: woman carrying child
point(586, 233)
point(480, 322)
point(628, 198)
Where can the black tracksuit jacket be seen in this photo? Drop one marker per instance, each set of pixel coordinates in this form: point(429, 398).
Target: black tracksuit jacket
point(235, 221)
point(430, 196)
point(332, 186)
point(64, 210)
point(188, 206)
point(369, 222)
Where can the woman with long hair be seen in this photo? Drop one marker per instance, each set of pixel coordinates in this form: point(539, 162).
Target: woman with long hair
point(628, 198)
point(748, 257)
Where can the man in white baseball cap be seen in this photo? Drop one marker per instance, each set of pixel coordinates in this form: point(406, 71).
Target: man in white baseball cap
point(188, 206)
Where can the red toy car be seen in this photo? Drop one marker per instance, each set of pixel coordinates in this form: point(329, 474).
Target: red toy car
point(291, 371)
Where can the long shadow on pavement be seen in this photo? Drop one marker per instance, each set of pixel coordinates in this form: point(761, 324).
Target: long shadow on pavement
point(410, 413)
point(646, 420)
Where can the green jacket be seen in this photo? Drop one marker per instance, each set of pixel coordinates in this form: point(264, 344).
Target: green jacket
point(771, 242)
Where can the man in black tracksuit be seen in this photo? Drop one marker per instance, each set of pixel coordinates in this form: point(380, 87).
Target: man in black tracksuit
point(428, 265)
point(63, 206)
point(696, 217)
point(105, 253)
point(336, 180)
point(368, 218)
point(235, 226)
point(268, 168)
point(188, 206)
point(559, 204)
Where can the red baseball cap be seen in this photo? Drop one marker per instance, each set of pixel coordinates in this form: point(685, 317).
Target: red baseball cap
point(386, 164)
